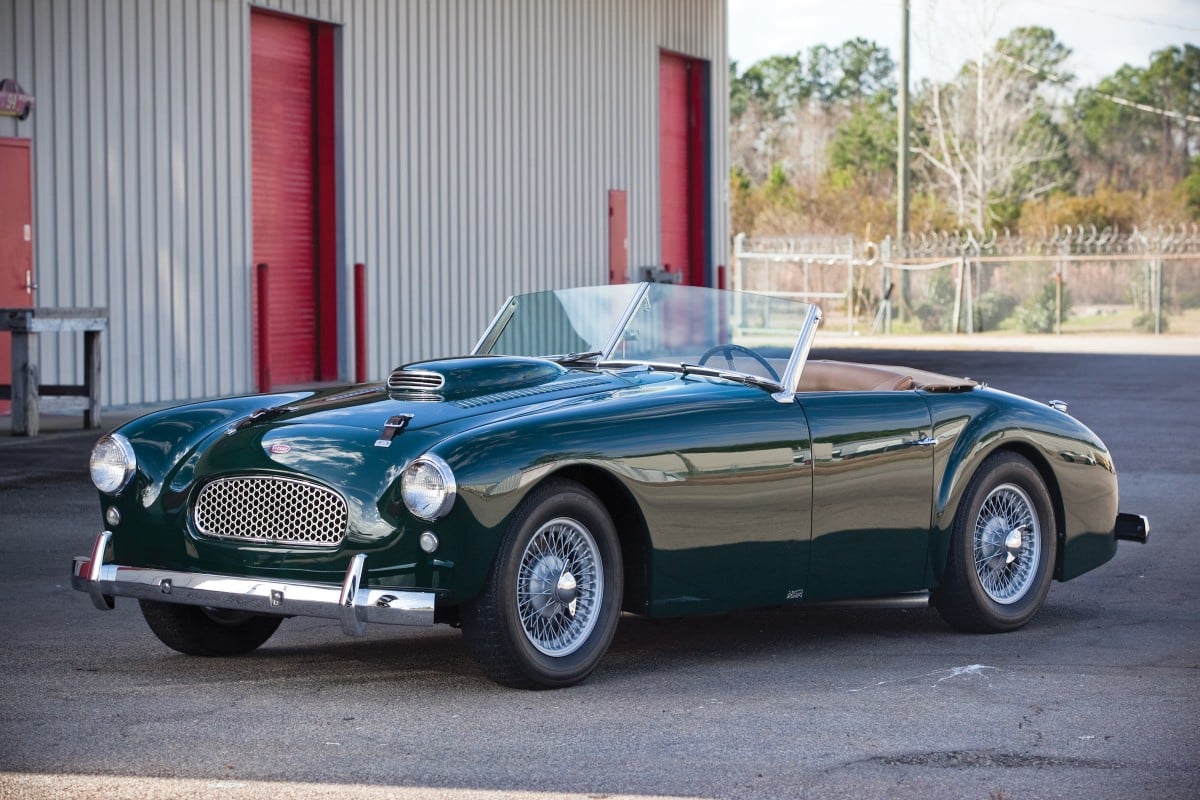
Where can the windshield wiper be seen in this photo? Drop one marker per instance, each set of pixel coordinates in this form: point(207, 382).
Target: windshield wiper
point(697, 369)
point(729, 375)
point(572, 358)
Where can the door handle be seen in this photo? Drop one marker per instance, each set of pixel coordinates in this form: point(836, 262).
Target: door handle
point(30, 286)
point(926, 441)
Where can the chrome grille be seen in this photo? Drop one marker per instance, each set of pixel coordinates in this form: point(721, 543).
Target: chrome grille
point(403, 380)
point(269, 509)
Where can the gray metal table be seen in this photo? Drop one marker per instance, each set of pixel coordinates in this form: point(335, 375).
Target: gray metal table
point(25, 324)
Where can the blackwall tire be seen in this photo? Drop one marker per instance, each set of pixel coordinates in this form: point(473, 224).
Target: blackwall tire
point(197, 631)
point(550, 606)
point(1002, 549)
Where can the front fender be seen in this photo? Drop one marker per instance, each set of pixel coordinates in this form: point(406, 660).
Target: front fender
point(497, 464)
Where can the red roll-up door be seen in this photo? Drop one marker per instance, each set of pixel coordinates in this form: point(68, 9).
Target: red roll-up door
point(682, 171)
point(673, 164)
point(290, 235)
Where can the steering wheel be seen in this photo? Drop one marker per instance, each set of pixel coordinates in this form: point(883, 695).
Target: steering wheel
point(730, 349)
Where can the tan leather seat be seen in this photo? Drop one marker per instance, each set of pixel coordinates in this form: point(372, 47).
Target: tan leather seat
point(842, 376)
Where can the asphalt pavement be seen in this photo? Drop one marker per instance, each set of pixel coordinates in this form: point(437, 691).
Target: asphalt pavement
point(1098, 697)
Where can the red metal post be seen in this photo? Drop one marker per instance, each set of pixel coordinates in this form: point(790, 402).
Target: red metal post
point(264, 329)
point(360, 323)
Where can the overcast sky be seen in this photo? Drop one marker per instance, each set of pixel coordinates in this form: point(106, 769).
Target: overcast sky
point(1102, 34)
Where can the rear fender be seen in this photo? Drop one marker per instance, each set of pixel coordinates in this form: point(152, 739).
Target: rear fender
point(1074, 463)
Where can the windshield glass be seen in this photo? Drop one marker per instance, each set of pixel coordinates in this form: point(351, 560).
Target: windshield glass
point(656, 323)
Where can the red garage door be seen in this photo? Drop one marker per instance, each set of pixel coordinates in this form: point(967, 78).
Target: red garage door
point(290, 71)
point(683, 166)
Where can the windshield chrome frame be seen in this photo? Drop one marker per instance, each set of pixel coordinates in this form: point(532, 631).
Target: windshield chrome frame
point(619, 329)
point(492, 332)
point(795, 365)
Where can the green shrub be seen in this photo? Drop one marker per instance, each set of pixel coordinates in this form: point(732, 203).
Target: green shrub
point(1189, 299)
point(1037, 314)
point(1144, 322)
point(992, 308)
point(937, 312)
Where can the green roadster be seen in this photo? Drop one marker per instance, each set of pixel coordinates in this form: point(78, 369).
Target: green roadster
point(655, 449)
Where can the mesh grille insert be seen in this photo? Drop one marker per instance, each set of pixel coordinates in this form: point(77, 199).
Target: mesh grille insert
point(268, 509)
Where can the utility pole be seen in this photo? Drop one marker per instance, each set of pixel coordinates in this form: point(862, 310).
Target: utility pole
point(902, 134)
point(901, 167)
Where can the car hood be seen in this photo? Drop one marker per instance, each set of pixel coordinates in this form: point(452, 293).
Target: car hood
point(437, 394)
point(345, 433)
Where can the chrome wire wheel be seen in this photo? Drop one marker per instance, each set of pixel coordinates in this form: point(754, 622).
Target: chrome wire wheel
point(1007, 544)
point(549, 608)
point(560, 587)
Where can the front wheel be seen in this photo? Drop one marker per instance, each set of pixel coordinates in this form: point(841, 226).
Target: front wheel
point(550, 606)
point(199, 631)
point(1001, 551)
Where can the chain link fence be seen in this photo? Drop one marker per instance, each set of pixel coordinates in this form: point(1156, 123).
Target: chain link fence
point(1059, 281)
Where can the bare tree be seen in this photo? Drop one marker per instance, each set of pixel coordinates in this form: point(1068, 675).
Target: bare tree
point(986, 136)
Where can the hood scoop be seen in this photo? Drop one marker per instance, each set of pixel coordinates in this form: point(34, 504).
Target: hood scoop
point(415, 380)
point(473, 376)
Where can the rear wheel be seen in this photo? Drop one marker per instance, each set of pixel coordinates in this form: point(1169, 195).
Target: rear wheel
point(1001, 556)
point(550, 606)
point(199, 631)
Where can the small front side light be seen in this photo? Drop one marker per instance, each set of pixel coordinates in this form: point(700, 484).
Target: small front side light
point(428, 488)
point(112, 463)
point(112, 517)
point(429, 542)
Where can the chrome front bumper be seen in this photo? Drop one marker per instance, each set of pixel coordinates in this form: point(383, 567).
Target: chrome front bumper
point(351, 604)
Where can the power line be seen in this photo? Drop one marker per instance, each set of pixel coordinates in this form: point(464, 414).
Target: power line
point(1121, 101)
point(1123, 17)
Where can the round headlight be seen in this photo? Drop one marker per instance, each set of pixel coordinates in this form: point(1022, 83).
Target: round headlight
point(428, 487)
point(113, 463)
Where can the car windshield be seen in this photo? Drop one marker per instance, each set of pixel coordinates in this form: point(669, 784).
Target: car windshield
point(658, 324)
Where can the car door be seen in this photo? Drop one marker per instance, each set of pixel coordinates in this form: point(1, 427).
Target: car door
point(872, 492)
point(725, 488)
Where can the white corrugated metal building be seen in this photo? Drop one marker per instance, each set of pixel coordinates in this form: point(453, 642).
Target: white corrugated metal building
point(461, 150)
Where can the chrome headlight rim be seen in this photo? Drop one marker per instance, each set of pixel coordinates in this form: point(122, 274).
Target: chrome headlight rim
point(97, 460)
point(429, 511)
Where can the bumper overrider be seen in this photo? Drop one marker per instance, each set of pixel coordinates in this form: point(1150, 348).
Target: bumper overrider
point(1132, 528)
point(352, 604)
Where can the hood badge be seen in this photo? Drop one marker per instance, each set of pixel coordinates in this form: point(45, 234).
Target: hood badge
point(390, 428)
point(279, 448)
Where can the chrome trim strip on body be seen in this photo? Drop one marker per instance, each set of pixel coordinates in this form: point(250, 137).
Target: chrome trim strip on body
point(905, 600)
point(350, 603)
point(795, 365)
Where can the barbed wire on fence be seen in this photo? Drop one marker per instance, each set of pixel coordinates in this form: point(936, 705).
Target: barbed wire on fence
point(856, 275)
point(1060, 240)
point(1056, 241)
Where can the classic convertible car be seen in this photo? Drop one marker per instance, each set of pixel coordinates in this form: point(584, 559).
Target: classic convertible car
point(656, 449)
